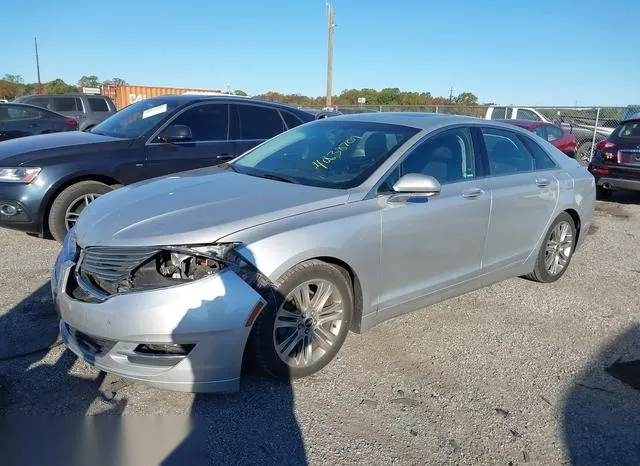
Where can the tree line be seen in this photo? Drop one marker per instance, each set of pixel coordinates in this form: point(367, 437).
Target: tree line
point(13, 85)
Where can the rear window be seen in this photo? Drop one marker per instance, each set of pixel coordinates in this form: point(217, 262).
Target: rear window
point(290, 119)
point(630, 130)
point(97, 104)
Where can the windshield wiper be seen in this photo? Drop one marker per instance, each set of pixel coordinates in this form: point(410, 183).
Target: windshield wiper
point(270, 176)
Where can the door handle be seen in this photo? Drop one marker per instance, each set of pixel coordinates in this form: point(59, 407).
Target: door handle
point(542, 182)
point(472, 193)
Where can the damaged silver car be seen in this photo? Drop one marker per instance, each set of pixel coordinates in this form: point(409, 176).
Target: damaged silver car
point(331, 227)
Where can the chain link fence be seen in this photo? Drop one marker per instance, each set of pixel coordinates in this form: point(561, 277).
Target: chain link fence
point(588, 125)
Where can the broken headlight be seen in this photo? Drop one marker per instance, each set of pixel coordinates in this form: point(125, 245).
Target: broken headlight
point(173, 265)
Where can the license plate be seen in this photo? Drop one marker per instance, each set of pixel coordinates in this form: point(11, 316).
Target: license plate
point(629, 158)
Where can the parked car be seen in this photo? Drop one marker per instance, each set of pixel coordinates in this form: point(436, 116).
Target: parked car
point(514, 113)
point(46, 181)
point(336, 225)
point(558, 137)
point(87, 109)
point(616, 161)
point(20, 120)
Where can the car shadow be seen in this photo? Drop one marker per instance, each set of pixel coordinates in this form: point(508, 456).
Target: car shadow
point(601, 412)
point(624, 197)
point(256, 425)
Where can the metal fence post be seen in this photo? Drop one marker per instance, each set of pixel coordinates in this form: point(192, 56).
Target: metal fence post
point(436, 109)
point(595, 129)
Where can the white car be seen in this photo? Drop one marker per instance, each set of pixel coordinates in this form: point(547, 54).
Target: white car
point(514, 113)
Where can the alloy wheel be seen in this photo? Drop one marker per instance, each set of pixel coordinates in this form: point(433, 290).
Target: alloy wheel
point(308, 323)
point(558, 249)
point(76, 207)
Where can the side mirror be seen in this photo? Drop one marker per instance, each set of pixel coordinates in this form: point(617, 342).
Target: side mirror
point(414, 185)
point(176, 133)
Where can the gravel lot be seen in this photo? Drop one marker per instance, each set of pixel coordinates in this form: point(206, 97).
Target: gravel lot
point(510, 374)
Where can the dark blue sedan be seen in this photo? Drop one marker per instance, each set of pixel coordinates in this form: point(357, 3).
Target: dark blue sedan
point(20, 120)
point(46, 181)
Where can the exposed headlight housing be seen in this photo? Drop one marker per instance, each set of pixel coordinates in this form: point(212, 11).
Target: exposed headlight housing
point(108, 271)
point(70, 247)
point(23, 175)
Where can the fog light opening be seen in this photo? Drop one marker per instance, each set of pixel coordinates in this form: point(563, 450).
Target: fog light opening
point(164, 350)
point(9, 210)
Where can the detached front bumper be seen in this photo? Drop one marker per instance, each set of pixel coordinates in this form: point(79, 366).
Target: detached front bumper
point(207, 317)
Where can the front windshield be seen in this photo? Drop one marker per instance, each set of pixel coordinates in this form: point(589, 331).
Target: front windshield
point(136, 119)
point(326, 153)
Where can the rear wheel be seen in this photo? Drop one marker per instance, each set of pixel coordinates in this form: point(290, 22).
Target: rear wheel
point(305, 322)
point(70, 203)
point(556, 251)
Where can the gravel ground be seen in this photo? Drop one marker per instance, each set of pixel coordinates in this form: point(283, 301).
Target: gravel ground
point(511, 374)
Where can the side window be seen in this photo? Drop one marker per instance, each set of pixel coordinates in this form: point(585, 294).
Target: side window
point(97, 104)
point(541, 158)
point(42, 102)
point(507, 153)
point(290, 119)
point(524, 114)
point(540, 131)
point(65, 104)
point(207, 122)
point(259, 122)
point(19, 113)
point(447, 156)
point(553, 133)
point(499, 113)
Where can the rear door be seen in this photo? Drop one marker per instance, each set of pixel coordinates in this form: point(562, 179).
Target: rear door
point(252, 124)
point(210, 144)
point(524, 195)
point(71, 107)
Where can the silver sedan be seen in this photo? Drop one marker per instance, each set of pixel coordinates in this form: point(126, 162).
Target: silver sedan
point(331, 227)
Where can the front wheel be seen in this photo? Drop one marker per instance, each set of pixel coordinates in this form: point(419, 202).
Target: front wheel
point(70, 203)
point(305, 322)
point(556, 251)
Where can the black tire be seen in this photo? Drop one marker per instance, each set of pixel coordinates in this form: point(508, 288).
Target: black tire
point(602, 193)
point(57, 222)
point(261, 346)
point(540, 272)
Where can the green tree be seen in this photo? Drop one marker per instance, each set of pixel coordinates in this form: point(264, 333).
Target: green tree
point(114, 82)
point(88, 81)
point(58, 86)
point(13, 78)
point(240, 92)
point(466, 98)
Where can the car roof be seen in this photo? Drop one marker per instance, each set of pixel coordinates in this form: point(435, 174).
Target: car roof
point(182, 99)
point(64, 94)
point(417, 120)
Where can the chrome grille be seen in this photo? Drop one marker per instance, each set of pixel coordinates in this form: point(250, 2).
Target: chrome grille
point(112, 264)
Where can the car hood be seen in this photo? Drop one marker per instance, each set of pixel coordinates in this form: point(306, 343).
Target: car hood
point(195, 207)
point(22, 150)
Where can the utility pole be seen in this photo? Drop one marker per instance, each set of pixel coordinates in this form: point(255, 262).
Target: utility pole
point(451, 95)
point(38, 66)
point(330, 53)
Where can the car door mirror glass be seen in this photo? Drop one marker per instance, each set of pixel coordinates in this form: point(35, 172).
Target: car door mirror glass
point(417, 183)
point(176, 133)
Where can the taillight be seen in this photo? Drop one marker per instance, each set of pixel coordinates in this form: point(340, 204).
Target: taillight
point(602, 145)
point(70, 122)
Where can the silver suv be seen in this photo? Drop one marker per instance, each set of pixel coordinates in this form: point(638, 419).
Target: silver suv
point(87, 109)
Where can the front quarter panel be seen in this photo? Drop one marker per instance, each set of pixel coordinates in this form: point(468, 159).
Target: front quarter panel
point(349, 233)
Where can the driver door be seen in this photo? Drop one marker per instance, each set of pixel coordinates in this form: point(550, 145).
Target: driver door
point(209, 145)
point(433, 243)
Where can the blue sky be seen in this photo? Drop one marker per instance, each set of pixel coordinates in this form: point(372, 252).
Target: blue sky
point(543, 52)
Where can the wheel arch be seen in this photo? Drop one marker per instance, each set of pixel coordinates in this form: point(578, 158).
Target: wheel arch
point(576, 220)
point(61, 186)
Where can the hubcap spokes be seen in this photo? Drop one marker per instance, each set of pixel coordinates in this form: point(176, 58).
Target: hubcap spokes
point(308, 322)
point(76, 207)
point(558, 248)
